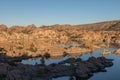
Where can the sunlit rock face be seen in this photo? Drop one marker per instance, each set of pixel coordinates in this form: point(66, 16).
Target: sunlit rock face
point(3, 27)
point(117, 52)
point(19, 40)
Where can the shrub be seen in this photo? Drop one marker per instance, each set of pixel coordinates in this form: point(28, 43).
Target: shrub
point(42, 60)
point(40, 72)
point(47, 55)
point(72, 65)
point(65, 54)
point(32, 49)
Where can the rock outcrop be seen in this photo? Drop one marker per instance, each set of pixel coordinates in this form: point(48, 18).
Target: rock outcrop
point(30, 40)
point(117, 52)
point(78, 68)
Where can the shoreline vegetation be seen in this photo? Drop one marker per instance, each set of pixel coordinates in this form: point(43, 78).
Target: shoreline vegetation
point(19, 42)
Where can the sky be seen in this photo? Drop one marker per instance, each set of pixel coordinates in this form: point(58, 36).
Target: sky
point(50, 12)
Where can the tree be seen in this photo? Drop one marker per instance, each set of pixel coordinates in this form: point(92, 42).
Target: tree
point(42, 60)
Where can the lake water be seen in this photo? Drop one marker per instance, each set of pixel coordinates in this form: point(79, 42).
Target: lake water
point(111, 74)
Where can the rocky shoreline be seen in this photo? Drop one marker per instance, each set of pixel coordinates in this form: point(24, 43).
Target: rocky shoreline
point(23, 42)
point(76, 67)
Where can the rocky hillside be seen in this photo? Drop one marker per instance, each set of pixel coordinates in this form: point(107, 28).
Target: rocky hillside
point(108, 25)
point(31, 39)
point(105, 26)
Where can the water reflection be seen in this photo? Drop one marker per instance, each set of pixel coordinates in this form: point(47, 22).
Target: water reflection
point(68, 78)
point(68, 45)
point(56, 59)
point(110, 71)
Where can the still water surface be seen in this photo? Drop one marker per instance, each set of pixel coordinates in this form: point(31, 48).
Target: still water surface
point(113, 73)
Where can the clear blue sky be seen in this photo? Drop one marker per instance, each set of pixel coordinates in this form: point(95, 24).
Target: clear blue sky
point(49, 12)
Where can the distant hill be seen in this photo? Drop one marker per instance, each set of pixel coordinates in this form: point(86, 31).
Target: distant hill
point(107, 25)
point(104, 26)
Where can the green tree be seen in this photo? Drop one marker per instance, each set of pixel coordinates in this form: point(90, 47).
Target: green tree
point(42, 60)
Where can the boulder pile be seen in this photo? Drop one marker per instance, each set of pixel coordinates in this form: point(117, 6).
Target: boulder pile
point(70, 67)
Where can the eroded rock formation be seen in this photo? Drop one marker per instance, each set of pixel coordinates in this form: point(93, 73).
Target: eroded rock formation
point(30, 40)
point(78, 68)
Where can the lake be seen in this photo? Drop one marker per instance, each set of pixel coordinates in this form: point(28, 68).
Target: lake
point(111, 74)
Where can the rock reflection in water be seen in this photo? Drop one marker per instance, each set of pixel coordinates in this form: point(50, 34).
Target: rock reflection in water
point(78, 69)
point(59, 59)
point(81, 70)
point(69, 78)
point(56, 59)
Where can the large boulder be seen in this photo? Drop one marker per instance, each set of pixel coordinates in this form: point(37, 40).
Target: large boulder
point(14, 75)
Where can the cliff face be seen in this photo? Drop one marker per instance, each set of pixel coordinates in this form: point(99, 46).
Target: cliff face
point(31, 39)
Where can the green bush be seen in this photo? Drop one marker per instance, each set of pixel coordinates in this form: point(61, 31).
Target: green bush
point(72, 65)
point(42, 60)
point(40, 72)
